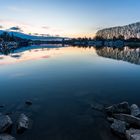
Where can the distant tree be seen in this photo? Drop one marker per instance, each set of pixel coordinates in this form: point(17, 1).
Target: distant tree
point(121, 37)
point(99, 38)
point(114, 38)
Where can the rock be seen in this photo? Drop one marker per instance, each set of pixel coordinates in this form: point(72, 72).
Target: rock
point(1, 106)
point(132, 120)
point(119, 127)
point(118, 108)
point(28, 103)
point(135, 111)
point(133, 134)
point(6, 137)
point(23, 123)
point(5, 123)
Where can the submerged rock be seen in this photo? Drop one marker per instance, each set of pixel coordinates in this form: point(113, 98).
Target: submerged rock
point(23, 123)
point(97, 107)
point(1, 106)
point(111, 120)
point(119, 127)
point(28, 103)
point(133, 134)
point(132, 120)
point(5, 123)
point(135, 111)
point(6, 137)
point(119, 108)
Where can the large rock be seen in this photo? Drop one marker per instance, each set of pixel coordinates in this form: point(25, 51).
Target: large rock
point(119, 127)
point(135, 111)
point(133, 134)
point(119, 108)
point(132, 120)
point(5, 123)
point(23, 123)
point(6, 137)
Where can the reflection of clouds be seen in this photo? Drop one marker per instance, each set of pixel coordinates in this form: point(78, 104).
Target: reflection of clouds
point(18, 75)
point(31, 54)
point(46, 56)
point(36, 50)
point(35, 53)
point(16, 56)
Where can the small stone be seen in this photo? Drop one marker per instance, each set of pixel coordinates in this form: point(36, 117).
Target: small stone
point(28, 103)
point(1, 106)
point(119, 127)
point(133, 134)
point(6, 137)
point(135, 111)
point(5, 123)
point(23, 123)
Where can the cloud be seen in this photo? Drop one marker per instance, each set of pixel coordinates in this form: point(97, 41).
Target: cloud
point(45, 27)
point(18, 9)
point(16, 28)
point(29, 28)
point(16, 25)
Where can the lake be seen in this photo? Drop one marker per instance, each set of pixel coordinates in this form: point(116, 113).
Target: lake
point(64, 83)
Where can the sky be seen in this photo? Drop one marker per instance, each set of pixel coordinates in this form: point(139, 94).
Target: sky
point(67, 18)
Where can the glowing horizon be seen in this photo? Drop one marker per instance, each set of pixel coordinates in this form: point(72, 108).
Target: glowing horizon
point(80, 18)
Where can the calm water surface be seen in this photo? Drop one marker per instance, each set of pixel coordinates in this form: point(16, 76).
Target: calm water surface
point(63, 83)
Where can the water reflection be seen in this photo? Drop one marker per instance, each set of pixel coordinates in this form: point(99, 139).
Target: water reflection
point(29, 53)
point(63, 89)
point(131, 55)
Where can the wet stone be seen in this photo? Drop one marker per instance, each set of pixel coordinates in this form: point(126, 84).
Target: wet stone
point(5, 123)
point(135, 111)
point(6, 137)
point(133, 134)
point(23, 123)
point(119, 127)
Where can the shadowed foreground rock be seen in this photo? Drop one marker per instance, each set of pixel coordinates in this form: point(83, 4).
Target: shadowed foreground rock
point(119, 108)
point(23, 123)
point(132, 120)
point(119, 127)
point(5, 123)
point(6, 137)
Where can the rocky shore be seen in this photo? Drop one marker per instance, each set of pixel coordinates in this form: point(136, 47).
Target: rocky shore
point(125, 120)
point(7, 125)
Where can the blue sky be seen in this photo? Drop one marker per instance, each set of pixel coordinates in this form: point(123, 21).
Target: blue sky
point(68, 17)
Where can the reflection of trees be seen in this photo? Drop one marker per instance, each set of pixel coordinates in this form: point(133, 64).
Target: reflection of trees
point(125, 54)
